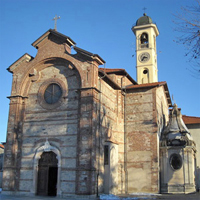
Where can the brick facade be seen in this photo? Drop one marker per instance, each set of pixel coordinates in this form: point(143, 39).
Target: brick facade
point(97, 108)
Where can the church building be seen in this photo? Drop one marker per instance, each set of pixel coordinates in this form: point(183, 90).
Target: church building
point(78, 128)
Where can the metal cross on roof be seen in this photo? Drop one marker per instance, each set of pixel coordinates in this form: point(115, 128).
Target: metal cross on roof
point(55, 24)
point(144, 9)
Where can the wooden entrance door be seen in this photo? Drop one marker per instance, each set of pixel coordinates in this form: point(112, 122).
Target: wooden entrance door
point(47, 174)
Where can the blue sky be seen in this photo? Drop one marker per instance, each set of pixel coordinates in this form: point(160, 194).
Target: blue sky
point(102, 27)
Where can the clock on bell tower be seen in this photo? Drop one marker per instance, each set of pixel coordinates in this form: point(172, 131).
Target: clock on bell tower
point(146, 57)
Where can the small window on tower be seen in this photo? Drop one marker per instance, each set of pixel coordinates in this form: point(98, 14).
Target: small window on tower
point(145, 76)
point(145, 71)
point(144, 40)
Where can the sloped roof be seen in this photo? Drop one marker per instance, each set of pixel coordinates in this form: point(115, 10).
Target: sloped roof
point(190, 119)
point(152, 85)
point(109, 80)
point(147, 85)
point(51, 31)
point(111, 71)
point(2, 146)
point(70, 42)
point(89, 54)
point(25, 58)
point(118, 72)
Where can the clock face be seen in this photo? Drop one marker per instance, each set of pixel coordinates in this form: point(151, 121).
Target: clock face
point(144, 57)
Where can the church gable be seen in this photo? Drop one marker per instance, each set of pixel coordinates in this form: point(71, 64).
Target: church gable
point(53, 44)
point(54, 48)
point(55, 37)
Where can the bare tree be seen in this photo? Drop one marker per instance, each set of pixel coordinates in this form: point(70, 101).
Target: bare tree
point(188, 22)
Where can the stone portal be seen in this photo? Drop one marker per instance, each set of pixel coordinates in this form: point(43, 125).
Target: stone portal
point(47, 174)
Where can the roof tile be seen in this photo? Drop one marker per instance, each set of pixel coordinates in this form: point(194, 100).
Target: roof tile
point(109, 70)
point(190, 119)
point(146, 85)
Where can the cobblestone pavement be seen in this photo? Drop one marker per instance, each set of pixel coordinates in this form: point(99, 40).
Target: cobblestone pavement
point(134, 197)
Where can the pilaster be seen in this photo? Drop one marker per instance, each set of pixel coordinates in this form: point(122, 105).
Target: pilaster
point(12, 156)
point(86, 144)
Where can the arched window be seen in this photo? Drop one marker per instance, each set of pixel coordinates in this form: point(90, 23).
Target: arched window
point(175, 161)
point(145, 76)
point(144, 40)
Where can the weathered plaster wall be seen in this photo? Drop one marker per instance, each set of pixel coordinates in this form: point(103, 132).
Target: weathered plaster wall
point(162, 109)
point(181, 180)
point(195, 132)
point(141, 139)
point(144, 116)
point(112, 129)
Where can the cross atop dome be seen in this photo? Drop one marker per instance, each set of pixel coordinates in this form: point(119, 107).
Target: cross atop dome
point(144, 9)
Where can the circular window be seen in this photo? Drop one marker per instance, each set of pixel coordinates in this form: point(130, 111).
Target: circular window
point(176, 161)
point(52, 93)
point(145, 71)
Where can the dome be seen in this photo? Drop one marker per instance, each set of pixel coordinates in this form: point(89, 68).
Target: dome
point(176, 132)
point(144, 20)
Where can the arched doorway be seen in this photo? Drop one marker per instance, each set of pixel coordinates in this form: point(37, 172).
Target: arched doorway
point(47, 174)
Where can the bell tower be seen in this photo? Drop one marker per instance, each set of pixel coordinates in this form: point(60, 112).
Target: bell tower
point(146, 57)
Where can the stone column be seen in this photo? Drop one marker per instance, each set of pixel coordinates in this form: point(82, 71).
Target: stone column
point(12, 156)
point(86, 144)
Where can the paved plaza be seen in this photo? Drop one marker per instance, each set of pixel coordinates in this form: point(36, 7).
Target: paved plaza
point(195, 196)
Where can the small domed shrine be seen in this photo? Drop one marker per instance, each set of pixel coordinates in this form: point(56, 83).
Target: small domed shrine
point(178, 156)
